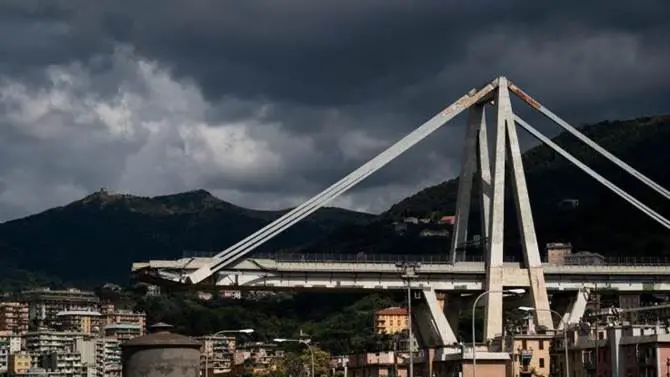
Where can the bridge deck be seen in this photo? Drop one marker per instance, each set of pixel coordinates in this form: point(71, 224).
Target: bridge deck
point(261, 273)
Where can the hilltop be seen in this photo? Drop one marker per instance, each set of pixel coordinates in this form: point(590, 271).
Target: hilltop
point(96, 238)
point(600, 220)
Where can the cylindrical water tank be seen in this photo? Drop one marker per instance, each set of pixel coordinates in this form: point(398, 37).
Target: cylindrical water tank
point(161, 354)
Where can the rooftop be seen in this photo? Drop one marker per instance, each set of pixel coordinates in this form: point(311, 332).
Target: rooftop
point(394, 310)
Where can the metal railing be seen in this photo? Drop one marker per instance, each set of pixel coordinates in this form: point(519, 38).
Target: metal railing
point(362, 257)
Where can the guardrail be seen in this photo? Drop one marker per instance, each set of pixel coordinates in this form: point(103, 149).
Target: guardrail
point(575, 260)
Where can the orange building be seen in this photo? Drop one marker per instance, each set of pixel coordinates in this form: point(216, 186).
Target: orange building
point(391, 320)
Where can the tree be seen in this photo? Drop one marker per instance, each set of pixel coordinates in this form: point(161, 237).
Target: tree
point(298, 364)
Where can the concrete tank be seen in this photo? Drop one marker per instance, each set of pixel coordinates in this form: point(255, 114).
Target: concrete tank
point(161, 354)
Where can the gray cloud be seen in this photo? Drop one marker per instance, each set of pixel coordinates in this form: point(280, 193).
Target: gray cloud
point(266, 103)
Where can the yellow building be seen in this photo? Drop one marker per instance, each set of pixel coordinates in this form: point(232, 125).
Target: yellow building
point(391, 320)
point(19, 363)
point(534, 348)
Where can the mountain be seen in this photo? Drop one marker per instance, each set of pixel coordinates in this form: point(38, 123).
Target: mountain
point(602, 222)
point(96, 239)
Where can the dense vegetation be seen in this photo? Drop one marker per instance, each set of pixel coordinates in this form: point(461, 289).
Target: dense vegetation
point(340, 323)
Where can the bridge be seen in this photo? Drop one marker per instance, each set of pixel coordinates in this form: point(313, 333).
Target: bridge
point(447, 275)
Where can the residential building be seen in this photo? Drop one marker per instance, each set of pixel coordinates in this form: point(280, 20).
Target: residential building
point(14, 317)
point(108, 357)
point(112, 316)
point(391, 320)
point(44, 304)
point(614, 351)
point(62, 363)
point(83, 321)
point(264, 356)
point(19, 363)
point(378, 364)
point(47, 341)
point(217, 354)
point(530, 352)
point(4, 356)
point(86, 348)
point(230, 294)
point(123, 331)
point(14, 340)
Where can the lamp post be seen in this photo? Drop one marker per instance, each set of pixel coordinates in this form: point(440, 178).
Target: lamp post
point(515, 291)
point(409, 273)
point(565, 333)
point(301, 341)
point(240, 331)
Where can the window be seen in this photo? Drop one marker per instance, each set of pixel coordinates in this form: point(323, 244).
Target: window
point(541, 362)
point(541, 344)
point(523, 344)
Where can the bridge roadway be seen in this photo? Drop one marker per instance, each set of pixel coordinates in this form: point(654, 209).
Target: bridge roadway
point(264, 273)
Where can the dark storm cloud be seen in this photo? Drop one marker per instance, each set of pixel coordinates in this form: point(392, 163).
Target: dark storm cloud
point(310, 88)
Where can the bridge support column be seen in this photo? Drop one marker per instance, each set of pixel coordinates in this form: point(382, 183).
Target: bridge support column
point(506, 147)
point(431, 321)
point(576, 308)
point(475, 158)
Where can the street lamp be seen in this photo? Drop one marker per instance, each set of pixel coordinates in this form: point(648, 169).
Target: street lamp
point(301, 341)
point(408, 273)
point(515, 291)
point(565, 332)
point(240, 331)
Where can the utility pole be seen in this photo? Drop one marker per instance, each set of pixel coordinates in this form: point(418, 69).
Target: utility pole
point(395, 355)
point(597, 337)
point(408, 273)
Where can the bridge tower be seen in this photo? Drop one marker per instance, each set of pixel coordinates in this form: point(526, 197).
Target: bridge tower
point(492, 203)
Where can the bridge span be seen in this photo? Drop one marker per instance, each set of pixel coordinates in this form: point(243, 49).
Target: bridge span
point(309, 273)
point(483, 167)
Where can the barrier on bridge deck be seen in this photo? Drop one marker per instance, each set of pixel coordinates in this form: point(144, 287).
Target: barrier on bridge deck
point(432, 259)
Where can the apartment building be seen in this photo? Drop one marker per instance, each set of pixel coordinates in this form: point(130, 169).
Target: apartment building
point(107, 357)
point(123, 331)
point(4, 356)
point(615, 351)
point(391, 320)
point(47, 341)
point(112, 315)
point(44, 304)
point(378, 364)
point(19, 363)
point(62, 363)
point(14, 317)
point(529, 352)
point(265, 356)
point(217, 354)
point(14, 340)
point(83, 321)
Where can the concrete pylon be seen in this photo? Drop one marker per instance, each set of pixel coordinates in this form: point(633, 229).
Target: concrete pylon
point(506, 146)
point(475, 158)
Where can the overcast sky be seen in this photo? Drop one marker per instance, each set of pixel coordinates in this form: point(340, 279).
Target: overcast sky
point(265, 103)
